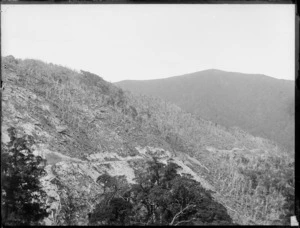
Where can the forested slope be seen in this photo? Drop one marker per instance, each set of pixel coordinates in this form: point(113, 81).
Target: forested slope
point(258, 104)
point(86, 127)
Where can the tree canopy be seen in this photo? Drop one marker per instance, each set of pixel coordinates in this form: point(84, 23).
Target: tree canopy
point(160, 196)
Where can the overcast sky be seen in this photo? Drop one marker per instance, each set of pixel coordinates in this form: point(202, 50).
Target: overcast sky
point(121, 42)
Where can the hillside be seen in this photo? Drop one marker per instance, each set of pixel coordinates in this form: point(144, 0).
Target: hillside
point(258, 104)
point(84, 127)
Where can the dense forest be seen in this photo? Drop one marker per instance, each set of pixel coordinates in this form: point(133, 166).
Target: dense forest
point(98, 155)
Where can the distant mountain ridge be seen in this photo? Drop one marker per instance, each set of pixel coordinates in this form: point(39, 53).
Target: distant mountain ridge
point(259, 104)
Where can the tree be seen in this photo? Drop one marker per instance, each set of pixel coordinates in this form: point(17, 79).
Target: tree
point(160, 196)
point(114, 209)
point(23, 200)
point(70, 207)
point(116, 212)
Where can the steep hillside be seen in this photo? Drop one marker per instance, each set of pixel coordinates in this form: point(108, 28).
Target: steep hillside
point(260, 105)
point(84, 127)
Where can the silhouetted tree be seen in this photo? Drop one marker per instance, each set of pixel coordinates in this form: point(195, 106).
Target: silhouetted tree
point(23, 200)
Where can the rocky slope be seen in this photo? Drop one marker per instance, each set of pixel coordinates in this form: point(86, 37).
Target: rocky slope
point(84, 127)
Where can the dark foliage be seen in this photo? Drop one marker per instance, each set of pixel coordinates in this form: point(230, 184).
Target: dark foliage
point(160, 196)
point(22, 196)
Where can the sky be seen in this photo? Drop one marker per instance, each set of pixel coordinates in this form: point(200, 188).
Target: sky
point(136, 41)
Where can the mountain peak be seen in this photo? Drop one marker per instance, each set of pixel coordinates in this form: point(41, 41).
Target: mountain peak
point(214, 70)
